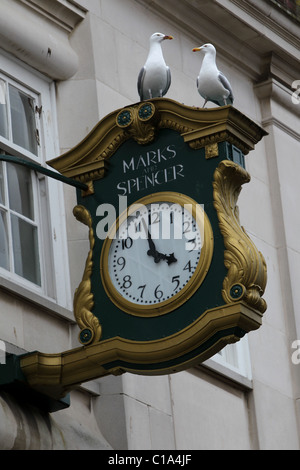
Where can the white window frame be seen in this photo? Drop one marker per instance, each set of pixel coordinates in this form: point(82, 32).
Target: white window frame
point(233, 362)
point(54, 263)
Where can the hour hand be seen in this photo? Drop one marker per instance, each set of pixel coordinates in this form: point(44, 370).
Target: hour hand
point(153, 252)
point(169, 258)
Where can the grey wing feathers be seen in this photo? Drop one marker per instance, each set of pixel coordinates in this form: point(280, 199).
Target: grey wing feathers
point(140, 82)
point(226, 85)
point(168, 83)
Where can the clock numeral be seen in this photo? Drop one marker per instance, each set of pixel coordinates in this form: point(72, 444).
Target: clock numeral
point(194, 244)
point(127, 243)
point(121, 262)
point(158, 293)
point(176, 279)
point(154, 218)
point(188, 267)
point(186, 229)
point(127, 282)
point(142, 290)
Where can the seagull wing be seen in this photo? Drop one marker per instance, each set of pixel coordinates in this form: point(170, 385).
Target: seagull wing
point(140, 82)
point(168, 82)
point(226, 85)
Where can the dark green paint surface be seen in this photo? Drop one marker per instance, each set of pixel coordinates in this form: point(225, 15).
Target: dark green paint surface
point(128, 163)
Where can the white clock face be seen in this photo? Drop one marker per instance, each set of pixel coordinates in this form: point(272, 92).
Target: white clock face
point(155, 255)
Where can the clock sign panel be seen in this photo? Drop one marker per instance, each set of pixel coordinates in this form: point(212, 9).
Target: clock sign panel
point(170, 277)
point(156, 251)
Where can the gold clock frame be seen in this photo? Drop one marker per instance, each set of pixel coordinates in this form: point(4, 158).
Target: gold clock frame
point(198, 276)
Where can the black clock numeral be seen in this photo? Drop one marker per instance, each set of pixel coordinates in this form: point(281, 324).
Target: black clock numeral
point(127, 243)
point(186, 226)
point(188, 267)
point(154, 218)
point(158, 292)
point(126, 282)
point(176, 279)
point(194, 244)
point(121, 262)
point(142, 290)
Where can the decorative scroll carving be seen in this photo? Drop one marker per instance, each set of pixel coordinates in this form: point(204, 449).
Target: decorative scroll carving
point(247, 273)
point(83, 298)
point(217, 137)
point(211, 151)
point(138, 122)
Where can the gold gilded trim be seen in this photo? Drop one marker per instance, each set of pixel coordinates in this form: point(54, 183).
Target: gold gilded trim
point(56, 374)
point(211, 151)
point(138, 122)
point(88, 160)
point(247, 272)
point(83, 298)
point(199, 275)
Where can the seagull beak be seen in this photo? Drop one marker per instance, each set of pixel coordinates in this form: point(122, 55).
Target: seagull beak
point(168, 37)
point(197, 49)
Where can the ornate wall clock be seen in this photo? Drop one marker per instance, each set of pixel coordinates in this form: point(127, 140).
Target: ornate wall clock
point(159, 256)
point(148, 303)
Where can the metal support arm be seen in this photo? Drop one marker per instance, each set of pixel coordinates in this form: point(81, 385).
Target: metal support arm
point(43, 170)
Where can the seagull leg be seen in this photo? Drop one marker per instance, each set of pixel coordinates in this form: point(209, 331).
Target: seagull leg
point(204, 104)
point(150, 94)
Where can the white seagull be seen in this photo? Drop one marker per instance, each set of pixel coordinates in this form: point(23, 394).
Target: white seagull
point(155, 77)
point(211, 83)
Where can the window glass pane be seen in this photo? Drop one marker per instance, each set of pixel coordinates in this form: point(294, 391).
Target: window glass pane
point(20, 190)
point(4, 256)
point(25, 246)
point(2, 200)
point(23, 119)
point(3, 110)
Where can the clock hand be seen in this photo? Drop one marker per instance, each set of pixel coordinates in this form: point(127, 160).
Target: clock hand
point(153, 251)
point(169, 258)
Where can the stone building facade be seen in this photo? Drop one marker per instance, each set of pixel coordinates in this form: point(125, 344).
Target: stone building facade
point(66, 64)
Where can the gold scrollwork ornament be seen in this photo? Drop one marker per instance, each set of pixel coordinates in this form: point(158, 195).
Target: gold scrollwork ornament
point(247, 273)
point(138, 122)
point(83, 298)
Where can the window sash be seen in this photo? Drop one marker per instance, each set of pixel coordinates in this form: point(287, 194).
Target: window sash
point(48, 194)
point(20, 109)
point(235, 357)
point(20, 243)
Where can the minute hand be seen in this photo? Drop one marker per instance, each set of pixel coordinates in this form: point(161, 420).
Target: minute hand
point(153, 251)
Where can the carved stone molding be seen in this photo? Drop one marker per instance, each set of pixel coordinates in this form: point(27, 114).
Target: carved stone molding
point(38, 36)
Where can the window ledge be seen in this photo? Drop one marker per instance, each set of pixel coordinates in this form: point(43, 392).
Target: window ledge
point(38, 300)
